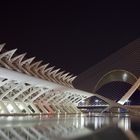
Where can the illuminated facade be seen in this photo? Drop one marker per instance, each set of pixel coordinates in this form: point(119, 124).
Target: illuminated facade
point(31, 87)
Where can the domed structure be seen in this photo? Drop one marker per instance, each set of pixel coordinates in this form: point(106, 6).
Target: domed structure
point(113, 76)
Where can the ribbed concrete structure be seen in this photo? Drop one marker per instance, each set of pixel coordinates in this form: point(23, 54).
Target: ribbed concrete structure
point(32, 87)
point(27, 87)
point(29, 66)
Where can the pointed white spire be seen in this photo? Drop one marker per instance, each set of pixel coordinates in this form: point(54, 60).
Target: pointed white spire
point(54, 72)
point(60, 74)
point(48, 70)
point(8, 54)
point(28, 61)
point(36, 64)
point(43, 67)
point(19, 58)
point(28, 66)
point(2, 46)
point(65, 75)
point(71, 79)
point(68, 77)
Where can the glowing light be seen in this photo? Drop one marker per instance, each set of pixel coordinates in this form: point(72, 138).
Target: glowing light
point(128, 102)
point(82, 122)
point(124, 123)
point(125, 76)
point(10, 108)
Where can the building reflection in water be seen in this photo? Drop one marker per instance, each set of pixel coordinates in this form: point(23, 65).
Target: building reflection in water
point(56, 127)
point(125, 123)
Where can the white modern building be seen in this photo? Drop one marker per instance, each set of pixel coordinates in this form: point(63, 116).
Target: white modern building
point(28, 86)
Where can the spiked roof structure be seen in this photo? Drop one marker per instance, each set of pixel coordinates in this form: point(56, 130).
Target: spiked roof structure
point(31, 87)
point(35, 68)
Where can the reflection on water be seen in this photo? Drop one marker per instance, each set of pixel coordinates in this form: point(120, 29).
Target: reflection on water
point(59, 127)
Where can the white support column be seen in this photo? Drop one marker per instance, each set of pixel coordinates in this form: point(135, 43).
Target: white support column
point(42, 108)
point(20, 92)
point(15, 107)
point(38, 95)
point(7, 92)
point(4, 108)
point(129, 92)
point(30, 93)
point(34, 107)
point(26, 108)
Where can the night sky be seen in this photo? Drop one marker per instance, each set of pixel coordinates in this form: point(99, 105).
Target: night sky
point(71, 35)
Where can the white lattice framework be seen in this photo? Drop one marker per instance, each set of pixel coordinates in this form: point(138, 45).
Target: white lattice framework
point(28, 87)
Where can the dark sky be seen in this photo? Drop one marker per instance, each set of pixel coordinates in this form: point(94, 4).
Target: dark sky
point(71, 35)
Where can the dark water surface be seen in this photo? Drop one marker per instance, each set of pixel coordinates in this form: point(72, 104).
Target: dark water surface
point(78, 126)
